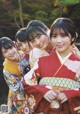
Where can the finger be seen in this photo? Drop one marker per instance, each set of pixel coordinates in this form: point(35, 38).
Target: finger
point(77, 108)
point(64, 100)
point(54, 95)
point(48, 99)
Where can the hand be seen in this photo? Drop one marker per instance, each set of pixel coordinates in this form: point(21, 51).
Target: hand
point(62, 97)
point(50, 95)
point(74, 49)
point(77, 109)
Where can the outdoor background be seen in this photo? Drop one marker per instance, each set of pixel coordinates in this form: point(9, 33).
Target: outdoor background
point(15, 14)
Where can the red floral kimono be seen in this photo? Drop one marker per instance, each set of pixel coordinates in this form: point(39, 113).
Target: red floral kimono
point(49, 73)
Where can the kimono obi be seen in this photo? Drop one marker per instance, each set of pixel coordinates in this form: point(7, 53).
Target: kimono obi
point(59, 83)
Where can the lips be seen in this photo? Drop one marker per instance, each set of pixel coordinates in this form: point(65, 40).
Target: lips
point(12, 55)
point(59, 46)
point(41, 46)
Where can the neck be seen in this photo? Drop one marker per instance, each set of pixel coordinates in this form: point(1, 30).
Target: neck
point(64, 54)
point(49, 47)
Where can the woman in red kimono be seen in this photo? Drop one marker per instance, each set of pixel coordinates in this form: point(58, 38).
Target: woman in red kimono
point(53, 83)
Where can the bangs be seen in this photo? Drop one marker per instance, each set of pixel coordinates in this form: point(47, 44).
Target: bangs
point(6, 43)
point(21, 35)
point(33, 32)
point(7, 46)
point(66, 25)
point(59, 26)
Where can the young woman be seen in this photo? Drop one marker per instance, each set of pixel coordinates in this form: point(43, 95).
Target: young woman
point(38, 35)
point(27, 47)
point(53, 83)
point(12, 76)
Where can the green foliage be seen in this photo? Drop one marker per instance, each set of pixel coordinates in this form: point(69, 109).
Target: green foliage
point(2, 1)
point(41, 15)
point(65, 11)
point(70, 1)
point(56, 2)
point(56, 12)
point(44, 10)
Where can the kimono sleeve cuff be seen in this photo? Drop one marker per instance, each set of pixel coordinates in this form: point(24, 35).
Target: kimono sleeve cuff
point(72, 93)
point(42, 89)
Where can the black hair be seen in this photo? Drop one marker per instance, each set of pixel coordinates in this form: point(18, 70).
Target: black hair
point(6, 43)
point(21, 35)
point(33, 32)
point(66, 25)
point(37, 23)
point(33, 28)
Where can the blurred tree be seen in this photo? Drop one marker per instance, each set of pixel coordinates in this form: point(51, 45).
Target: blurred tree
point(41, 15)
point(20, 13)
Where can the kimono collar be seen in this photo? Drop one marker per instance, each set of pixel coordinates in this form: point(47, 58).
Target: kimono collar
point(12, 67)
point(62, 60)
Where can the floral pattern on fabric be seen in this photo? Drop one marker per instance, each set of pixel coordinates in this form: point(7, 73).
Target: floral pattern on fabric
point(17, 101)
point(24, 66)
point(71, 66)
point(32, 102)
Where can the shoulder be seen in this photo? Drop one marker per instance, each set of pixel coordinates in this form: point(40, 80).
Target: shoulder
point(75, 57)
point(47, 58)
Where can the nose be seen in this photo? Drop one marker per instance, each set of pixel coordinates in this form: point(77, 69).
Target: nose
point(24, 46)
point(58, 39)
point(10, 51)
point(38, 42)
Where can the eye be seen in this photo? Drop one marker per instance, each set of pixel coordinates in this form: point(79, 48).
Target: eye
point(54, 36)
point(19, 45)
point(64, 35)
point(25, 41)
point(11, 48)
point(5, 51)
point(33, 40)
point(38, 35)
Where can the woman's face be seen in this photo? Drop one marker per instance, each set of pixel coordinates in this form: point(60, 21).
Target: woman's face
point(24, 46)
point(61, 41)
point(11, 53)
point(40, 41)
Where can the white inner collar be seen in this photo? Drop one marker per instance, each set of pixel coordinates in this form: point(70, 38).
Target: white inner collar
point(62, 60)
